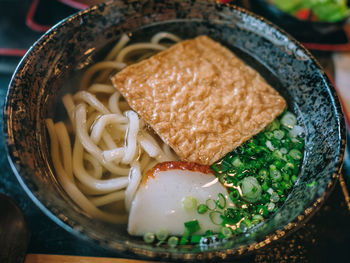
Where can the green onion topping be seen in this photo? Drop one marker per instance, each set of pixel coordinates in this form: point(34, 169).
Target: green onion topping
point(234, 195)
point(226, 232)
point(189, 203)
point(202, 209)
point(251, 189)
point(278, 134)
point(148, 237)
point(192, 226)
point(288, 120)
point(221, 201)
point(195, 239)
point(173, 241)
point(162, 234)
point(295, 154)
point(236, 162)
point(211, 204)
point(215, 217)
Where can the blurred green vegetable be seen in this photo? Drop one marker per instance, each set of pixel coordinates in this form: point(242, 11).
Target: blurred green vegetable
point(318, 10)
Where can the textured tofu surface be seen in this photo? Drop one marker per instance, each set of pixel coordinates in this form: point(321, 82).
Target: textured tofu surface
point(200, 98)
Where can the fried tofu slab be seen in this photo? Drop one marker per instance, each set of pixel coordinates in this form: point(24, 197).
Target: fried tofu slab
point(200, 98)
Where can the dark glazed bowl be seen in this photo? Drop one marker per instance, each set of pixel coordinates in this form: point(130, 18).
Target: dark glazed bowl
point(61, 54)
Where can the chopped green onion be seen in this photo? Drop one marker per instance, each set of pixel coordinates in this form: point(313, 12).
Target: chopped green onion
point(286, 177)
point(173, 241)
point(195, 239)
point(209, 233)
point(148, 237)
point(224, 166)
point(278, 163)
point(278, 134)
point(273, 125)
point(236, 162)
point(185, 237)
point(189, 203)
point(289, 166)
point(216, 168)
point(268, 135)
point(283, 150)
point(288, 120)
point(265, 198)
point(202, 209)
point(276, 186)
point(192, 226)
point(295, 154)
point(273, 167)
point(259, 174)
point(277, 155)
point(288, 185)
point(215, 217)
point(251, 189)
point(275, 175)
point(263, 211)
point(265, 186)
point(234, 195)
point(226, 232)
point(274, 197)
point(258, 218)
point(280, 192)
point(270, 207)
point(270, 191)
point(221, 201)
point(299, 145)
point(211, 204)
point(263, 173)
point(270, 146)
point(162, 234)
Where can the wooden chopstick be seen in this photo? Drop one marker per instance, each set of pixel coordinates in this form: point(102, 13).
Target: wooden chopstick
point(43, 258)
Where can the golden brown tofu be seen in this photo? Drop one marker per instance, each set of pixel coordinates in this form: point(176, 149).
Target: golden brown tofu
point(200, 98)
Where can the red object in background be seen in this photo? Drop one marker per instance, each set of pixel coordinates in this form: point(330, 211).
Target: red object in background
point(14, 52)
point(30, 19)
point(303, 14)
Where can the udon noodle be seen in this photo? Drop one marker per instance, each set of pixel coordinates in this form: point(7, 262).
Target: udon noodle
point(101, 153)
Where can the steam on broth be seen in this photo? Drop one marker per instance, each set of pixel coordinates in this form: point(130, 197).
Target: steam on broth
point(108, 154)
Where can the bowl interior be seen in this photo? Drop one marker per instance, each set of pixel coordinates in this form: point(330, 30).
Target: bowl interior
point(55, 63)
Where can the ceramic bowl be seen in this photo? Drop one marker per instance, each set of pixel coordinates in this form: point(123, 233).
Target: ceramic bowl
point(58, 58)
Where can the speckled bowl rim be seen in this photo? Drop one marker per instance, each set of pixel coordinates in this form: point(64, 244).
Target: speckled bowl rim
point(188, 256)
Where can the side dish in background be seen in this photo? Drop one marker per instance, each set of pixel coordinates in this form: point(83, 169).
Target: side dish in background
point(315, 10)
point(120, 169)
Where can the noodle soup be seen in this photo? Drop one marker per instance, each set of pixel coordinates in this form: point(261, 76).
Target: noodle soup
point(106, 155)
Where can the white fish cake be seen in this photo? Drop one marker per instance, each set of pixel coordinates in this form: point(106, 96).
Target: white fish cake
point(158, 202)
point(200, 98)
